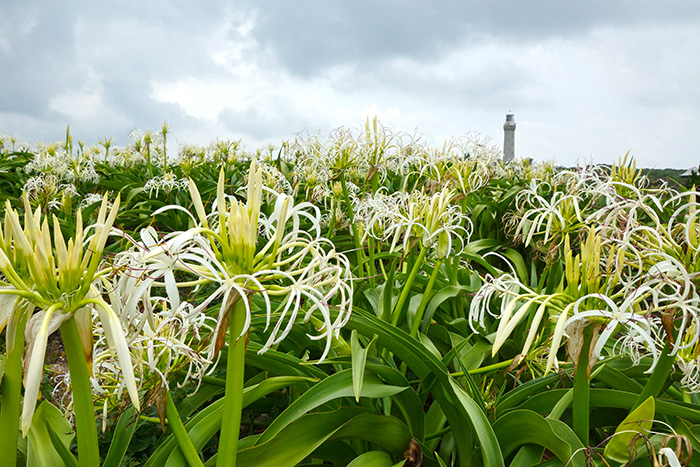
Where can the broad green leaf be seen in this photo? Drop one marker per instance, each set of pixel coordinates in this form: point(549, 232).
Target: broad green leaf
point(616, 379)
point(527, 456)
point(484, 244)
point(514, 398)
point(544, 402)
point(523, 427)
point(561, 405)
point(335, 386)
point(193, 402)
point(388, 300)
point(278, 363)
point(394, 339)
point(374, 459)
point(359, 360)
point(334, 452)
point(40, 449)
point(626, 438)
point(434, 425)
point(441, 296)
point(457, 405)
point(123, 432)
point(301, 437)
point(406, 405)
point(489, 442)
point(207, 422)
point(66, 456)
point(373, 298)
point(429, 346)
point(519, 263)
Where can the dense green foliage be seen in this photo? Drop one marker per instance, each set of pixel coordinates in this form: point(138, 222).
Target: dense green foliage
point(356, 300)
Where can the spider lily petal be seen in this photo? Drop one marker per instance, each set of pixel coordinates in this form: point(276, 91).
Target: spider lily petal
point(35, 366)
point(117, 340)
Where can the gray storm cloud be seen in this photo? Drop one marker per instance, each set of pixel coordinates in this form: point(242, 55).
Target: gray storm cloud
point(585, 79)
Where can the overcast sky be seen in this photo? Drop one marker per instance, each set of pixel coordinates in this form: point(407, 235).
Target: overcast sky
point(586, 80)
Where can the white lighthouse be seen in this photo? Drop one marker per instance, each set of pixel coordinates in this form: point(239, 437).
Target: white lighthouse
point(509, 138)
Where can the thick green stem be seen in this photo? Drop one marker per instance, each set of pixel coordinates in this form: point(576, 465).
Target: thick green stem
point(148, 161)
point(233, 399)
point(658, 377)
point(83, 407)
point(398, 310)
point(371, 268)
point(183, 439)
point(581, 407)
point(453, 281)
point(11, 394)
point(426, 297)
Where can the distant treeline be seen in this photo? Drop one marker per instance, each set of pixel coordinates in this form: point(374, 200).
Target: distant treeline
point(672, 177)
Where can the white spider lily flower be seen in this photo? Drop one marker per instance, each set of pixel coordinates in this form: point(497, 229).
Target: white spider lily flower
point(174, 341)
point(690, 368)
point(619, 214)
point(57, 277)
point(675, 295)
point(688, 211)
point(638, 326)
point(151, 260)
point(377, 212)
point(167, 182)
point(517, 301)
point(505, 286)
point(295, 263)
point(433, 221)
point(551, 216)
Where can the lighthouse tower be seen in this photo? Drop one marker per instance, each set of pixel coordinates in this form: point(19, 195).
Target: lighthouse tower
point(509, 138)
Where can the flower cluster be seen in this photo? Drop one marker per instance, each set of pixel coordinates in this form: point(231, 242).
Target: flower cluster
point(166, 183)
point(295, 266)
point(403, 218)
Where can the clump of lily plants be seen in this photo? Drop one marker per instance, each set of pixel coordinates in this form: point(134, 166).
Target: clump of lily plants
point(355, 299)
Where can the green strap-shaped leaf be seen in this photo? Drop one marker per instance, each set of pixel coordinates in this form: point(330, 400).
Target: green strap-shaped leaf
point(602, 398)
point(278, 363)
point(374, 459)
point(193, 402)
point(406, 405)
point(489, 442)
point(207, 422)
point(40, 449)
point(333, 387)
point(333, 452)
point(524, 427)
point(359, 360)
point(528, 455)
point(438, 299)
point(301, 437)
point(522, 393)
point(123, 432)
point(616, 379)
point(626, 438)
point(68, 458)
point(519, 263)
point(462, 412)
